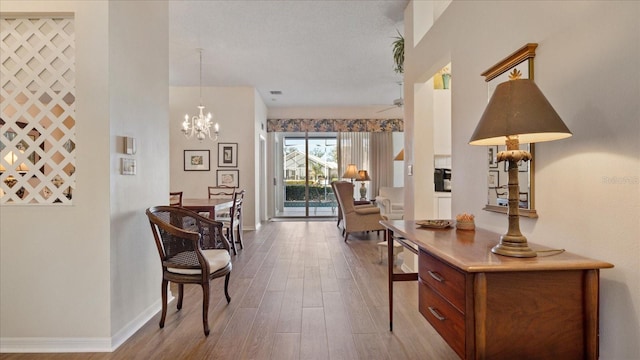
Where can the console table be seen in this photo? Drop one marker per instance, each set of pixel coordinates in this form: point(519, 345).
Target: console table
point(488, 306)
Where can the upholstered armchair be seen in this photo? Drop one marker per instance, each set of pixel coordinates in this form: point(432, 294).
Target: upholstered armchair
point(356, 218)
point(390, 200)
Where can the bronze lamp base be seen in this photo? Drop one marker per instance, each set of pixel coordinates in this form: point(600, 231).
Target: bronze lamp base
point(513, 243)
point(513, 248)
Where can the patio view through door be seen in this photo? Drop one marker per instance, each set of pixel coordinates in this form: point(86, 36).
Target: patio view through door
point(309, 165)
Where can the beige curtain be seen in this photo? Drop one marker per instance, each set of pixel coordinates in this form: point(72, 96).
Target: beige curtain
point(369, 151)
point(380, 162)
point(353, 148)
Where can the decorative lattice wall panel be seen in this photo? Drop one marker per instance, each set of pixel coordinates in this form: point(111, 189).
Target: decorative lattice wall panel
point(37, 107)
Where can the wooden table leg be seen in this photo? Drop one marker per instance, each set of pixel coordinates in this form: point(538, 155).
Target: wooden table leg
point(389, 236)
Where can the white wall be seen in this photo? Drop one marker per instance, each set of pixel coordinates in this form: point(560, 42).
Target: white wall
point(338, 112)
point(587, 186)
point(234, 109)
point(53, 255)
point(139, 108)
point(398, 165)
point(61, 267)
point(260, 171)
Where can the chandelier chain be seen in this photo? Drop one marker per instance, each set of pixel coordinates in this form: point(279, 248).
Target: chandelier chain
point(200, 125)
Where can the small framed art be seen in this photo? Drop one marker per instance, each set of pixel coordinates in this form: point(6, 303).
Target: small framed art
point(228, 155)
point(229, 178)
point(494, 179)
point(493, 156)
point(127, 166)
point(196, 160)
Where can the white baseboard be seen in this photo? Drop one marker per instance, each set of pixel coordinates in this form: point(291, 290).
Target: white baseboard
point(51, 345)
point(134, 325)
point(69, 345)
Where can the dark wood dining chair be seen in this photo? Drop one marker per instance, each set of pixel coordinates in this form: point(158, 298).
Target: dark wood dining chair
point(233, 224)
point(175, 198)
point(193, 250)
point(221, 192)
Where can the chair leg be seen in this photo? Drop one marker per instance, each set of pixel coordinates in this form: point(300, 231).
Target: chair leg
point(346, 235)
point(205, 308)
point(226, 288)
point(240, 237)
point(232, 241)
point(180, 295)
point(164, 288)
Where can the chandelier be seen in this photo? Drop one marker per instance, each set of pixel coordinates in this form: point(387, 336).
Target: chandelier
point(200, 125)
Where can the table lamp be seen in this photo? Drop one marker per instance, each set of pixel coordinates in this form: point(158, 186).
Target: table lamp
point(363, 176)
point(517, 113)
point(351, 172)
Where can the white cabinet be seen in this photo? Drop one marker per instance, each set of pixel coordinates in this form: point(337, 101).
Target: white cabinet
point(442, 205)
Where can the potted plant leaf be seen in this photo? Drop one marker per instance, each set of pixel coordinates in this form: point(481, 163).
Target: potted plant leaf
point(398, 53)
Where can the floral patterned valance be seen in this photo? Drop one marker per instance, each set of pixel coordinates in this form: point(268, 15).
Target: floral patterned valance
point(335, 125)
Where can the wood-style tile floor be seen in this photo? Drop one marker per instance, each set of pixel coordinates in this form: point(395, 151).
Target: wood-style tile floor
point(298, 291)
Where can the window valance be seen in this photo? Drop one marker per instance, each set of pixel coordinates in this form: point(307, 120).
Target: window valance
point(335, 125)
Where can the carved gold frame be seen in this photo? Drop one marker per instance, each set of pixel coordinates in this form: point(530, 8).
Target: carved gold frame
point(526, 53)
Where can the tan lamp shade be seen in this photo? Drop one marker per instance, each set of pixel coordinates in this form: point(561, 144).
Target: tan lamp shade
point(518, 108)
point(400, 156)
point(363, 175)
point(351, 172)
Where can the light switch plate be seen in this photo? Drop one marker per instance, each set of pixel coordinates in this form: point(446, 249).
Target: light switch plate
point(129, 145)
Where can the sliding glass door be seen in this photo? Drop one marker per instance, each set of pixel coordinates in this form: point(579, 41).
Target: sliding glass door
point(307, 167)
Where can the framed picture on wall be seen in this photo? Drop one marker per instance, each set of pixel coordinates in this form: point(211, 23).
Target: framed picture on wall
point(227, 154)
point(229, 178)
point(196, 160)
point(493, 156)
point(494, 179)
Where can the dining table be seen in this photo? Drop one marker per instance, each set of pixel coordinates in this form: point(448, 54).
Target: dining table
point(207, 205)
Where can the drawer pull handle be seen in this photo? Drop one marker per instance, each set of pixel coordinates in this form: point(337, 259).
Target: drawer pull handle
point(435, 276)
point(435, 313)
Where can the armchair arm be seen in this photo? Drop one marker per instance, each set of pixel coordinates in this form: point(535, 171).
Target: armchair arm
point(384, 203)
point(368, 210)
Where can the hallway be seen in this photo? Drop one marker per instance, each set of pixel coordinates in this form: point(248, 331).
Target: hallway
point(298, 291)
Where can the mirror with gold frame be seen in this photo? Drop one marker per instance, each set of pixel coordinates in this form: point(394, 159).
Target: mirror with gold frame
point(518, 65)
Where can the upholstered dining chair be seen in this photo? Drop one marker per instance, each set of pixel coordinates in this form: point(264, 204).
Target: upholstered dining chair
point(175, 198)
point(193, 250)
point(233, 224)
point(365, 218)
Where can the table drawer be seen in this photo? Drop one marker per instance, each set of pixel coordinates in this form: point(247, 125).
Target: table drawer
point(448, 321)
point(446, 280)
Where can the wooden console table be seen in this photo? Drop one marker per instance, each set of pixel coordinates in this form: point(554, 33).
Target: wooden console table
point(488, 306)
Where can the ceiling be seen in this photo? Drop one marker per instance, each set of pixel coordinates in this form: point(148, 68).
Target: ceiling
point(318, 53)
